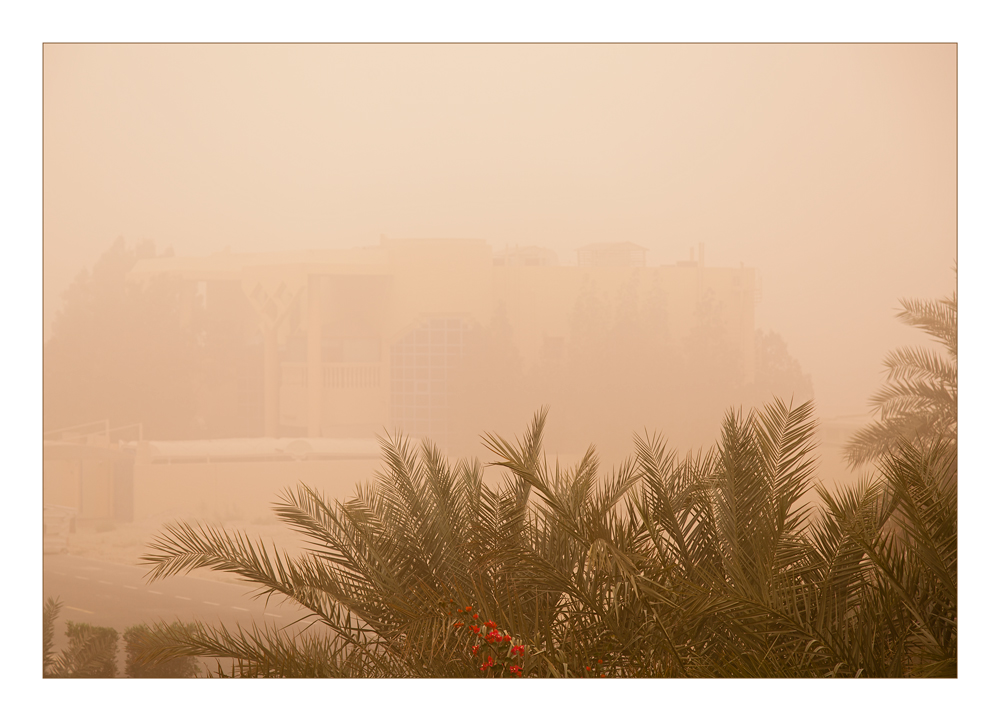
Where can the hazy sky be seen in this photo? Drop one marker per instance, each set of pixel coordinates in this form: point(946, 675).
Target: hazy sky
point(830, 168)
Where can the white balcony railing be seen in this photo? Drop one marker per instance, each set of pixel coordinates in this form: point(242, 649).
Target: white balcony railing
point(335, 375)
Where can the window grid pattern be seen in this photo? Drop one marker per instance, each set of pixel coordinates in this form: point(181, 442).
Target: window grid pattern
point(425, 363)
point(335, 375)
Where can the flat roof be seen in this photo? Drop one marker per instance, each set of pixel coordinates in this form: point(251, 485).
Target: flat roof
point(260, 449)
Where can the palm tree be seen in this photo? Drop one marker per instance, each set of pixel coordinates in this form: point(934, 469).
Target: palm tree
point(424, 534)
point(703, 566)
point(919, 401)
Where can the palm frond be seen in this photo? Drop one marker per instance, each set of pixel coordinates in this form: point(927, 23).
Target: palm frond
point(920, 397)
point(706, 565)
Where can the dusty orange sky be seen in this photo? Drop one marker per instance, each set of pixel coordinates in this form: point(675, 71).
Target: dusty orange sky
point(830, 168)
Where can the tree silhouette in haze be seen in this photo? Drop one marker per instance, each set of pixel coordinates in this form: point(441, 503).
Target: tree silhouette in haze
point(120, 350)
point(919, 401)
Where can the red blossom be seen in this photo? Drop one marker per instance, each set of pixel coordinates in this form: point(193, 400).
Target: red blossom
point(506, 637)
point(468, 608)
point(475, 615)
point(490, 624)
point(475, 649)
point(474, 629)
point(458, 624)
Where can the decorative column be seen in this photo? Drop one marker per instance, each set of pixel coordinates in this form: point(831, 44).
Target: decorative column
point(314, 357)
point(272, 378)
point(273, 294)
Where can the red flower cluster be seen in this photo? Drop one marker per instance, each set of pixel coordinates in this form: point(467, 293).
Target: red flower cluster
point(596, 668)
point(489, 632)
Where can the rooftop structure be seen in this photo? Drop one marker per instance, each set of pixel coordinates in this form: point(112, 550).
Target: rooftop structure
point(611, 255)
point(529, 255)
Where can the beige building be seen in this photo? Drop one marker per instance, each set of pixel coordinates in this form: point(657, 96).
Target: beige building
point(318, 351)
point(350, 342)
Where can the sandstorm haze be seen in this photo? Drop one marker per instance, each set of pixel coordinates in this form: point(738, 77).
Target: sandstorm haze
point(830, 170)
point(273, 272)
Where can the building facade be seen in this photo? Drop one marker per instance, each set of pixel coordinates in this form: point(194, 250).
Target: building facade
point(346, 343)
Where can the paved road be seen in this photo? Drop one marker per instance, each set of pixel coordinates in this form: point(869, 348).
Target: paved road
point(111, 594)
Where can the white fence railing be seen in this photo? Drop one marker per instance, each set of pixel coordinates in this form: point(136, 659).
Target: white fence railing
point(95, 433)
point(335, 375)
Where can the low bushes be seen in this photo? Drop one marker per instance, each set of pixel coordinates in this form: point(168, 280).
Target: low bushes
point(92, 651)
point(138, 667)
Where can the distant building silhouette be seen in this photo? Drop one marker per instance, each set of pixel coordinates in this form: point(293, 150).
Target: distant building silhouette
point(343, 343)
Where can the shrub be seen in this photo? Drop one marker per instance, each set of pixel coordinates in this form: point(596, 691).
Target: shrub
point(136, 666)
point(92, 651)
